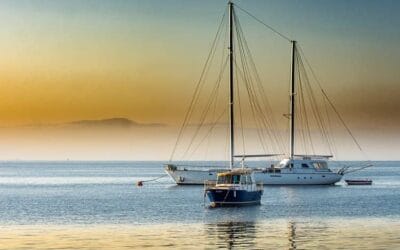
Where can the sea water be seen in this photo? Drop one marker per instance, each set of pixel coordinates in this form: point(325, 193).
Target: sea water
point(97, 205)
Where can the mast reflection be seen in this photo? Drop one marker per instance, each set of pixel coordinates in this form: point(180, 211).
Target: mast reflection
point(292, 235)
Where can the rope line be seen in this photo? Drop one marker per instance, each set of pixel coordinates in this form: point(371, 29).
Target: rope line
point(198, 87)
point(266, 25)
point(157, 178)
point(331, 103)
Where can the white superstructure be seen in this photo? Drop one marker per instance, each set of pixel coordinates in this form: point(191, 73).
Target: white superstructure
point(301, 170)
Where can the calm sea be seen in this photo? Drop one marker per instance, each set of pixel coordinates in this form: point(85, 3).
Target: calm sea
point(97, 205)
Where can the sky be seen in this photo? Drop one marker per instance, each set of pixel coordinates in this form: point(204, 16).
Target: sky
point(65, 61)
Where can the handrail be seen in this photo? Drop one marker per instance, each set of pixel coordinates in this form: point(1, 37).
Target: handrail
point(195, 166)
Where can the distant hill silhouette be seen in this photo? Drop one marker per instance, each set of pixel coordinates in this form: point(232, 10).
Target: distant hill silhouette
point(117, 121)
point(108, 122)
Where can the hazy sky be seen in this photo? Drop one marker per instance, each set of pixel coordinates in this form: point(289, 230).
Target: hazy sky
point(63, 61)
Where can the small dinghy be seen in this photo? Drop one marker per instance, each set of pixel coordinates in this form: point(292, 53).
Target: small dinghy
point(234, 188)
point(359, 182)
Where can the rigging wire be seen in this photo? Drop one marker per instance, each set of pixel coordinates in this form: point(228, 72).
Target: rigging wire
point(313, 104)
point(266, 25)
point(262, 94)
point(246, 79)
point(334, 148)
point(198, 87)
point(249, 71)
point(224, 59)
point(209, 130)
point(324, 130)
point(240, 113)
point(257, 123)
point(303, 117)
point(331, 103)
point(212, 99)
point(256, 107)
point(265, 124)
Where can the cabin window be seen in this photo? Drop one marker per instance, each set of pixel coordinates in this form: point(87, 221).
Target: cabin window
point(235, 179)
point(229, 179)
point(283, 165)
point(320, 165)
point(304, 165)
point(224, 179)
point(246, 179)
point(243, 180)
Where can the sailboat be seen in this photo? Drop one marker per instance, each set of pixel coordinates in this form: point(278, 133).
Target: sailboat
point(294, 169)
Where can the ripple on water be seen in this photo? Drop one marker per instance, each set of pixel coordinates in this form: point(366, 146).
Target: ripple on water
point(331, 233)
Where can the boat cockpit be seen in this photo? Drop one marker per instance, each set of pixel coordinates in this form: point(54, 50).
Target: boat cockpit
point(234, 178)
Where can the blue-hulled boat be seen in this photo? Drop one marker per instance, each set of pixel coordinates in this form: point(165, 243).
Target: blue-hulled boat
point(234, 188)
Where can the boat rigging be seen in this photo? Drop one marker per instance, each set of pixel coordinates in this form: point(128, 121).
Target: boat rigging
point(308, 167)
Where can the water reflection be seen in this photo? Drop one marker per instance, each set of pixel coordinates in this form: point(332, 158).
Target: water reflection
point(292, 235)
point(237, 214)
point(296, 233)
point(232, 234)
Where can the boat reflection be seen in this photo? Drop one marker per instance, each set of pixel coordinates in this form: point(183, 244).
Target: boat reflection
point(272, 235)
point(232, 234)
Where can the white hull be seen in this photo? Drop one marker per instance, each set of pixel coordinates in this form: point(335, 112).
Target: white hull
point(198, 177)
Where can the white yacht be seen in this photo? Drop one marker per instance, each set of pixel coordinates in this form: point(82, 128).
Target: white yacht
point(299, 170)
point(294, 169)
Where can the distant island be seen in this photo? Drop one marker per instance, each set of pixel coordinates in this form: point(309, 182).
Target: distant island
point(107, 122)
point(117, 121)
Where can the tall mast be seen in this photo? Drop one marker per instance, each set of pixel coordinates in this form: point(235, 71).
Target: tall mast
point(231, 113)
point(292, 94)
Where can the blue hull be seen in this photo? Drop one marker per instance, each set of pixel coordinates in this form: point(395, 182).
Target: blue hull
point(230, 197)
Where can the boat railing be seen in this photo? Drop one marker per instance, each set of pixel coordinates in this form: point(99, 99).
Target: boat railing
point(185, 167)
